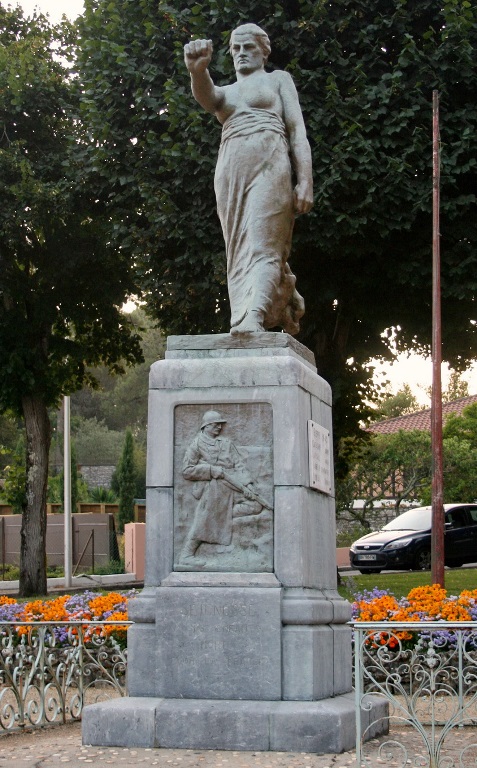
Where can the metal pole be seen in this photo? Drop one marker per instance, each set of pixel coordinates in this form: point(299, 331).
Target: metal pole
point(92, 552)
point(67, 493)
point(3, 549)
point(437, 536)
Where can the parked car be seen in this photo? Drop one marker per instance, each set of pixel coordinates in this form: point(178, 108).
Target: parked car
point(405, 542)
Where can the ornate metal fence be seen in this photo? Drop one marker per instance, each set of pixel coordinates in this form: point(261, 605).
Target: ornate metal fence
point(50, 670)
point(427, 672)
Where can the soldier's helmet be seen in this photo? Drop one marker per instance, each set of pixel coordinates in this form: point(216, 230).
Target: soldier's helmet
point(212, 417)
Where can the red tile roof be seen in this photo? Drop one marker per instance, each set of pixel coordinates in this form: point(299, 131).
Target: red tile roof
point(420, 419)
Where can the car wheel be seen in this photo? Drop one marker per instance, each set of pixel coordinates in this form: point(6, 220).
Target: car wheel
point(370, 570)
point(422, 561)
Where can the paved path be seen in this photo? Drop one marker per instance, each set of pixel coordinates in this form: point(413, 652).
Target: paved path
point(61, 745)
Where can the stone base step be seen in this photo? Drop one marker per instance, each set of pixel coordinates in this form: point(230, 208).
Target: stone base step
point(326, 726)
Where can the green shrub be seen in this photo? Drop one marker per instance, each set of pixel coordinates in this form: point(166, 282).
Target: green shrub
point(346, 538)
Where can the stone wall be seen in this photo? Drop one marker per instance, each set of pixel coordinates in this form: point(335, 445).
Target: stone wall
point(97, 476)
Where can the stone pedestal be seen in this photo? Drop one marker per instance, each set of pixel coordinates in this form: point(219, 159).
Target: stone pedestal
point(243, 644)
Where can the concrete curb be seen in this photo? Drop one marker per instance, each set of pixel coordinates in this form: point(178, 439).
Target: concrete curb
point(82, 581)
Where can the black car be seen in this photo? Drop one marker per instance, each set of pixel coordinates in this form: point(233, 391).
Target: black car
point(405, 542)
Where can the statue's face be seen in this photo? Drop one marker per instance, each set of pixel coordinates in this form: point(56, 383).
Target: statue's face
point(247, 53)
point(214, 429)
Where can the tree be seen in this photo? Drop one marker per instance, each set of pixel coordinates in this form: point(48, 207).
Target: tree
point(74, 481)
point(9, 435)
point(13, 491)
point(399, 404)
point(463, 427)
point(393, 467)
point(456, 388)
point(121, 401)
point(365, 72)
point(460, 472)
point(95, 443)
point(56, 485)
point(126, 479)
point(397, 467)
point(62, 283)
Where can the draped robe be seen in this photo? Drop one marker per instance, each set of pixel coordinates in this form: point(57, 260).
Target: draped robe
point(253, 187)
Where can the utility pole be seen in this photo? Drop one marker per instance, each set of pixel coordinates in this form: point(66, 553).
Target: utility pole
point(438, 525)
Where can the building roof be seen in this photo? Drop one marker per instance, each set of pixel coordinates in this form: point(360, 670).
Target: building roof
point(420, 419)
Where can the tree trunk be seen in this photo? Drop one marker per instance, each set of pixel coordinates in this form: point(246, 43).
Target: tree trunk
point(33, 532)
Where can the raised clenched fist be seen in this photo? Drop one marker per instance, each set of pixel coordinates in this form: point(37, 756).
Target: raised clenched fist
point(197, 55)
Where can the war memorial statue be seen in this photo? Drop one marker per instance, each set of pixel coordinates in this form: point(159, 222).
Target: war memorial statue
point(262, 128)
point(240, 638)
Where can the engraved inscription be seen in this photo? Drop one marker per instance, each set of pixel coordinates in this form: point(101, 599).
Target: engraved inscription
point(205, 609)
point(319, 453)
point(220, 642)
point(217, 629)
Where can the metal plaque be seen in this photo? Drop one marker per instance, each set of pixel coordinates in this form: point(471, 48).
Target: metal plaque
point(319, 453)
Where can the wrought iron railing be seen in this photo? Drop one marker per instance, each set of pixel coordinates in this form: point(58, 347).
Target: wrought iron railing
point(427, 673)
point(50, 670)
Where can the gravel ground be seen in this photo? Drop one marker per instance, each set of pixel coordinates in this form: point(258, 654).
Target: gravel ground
point(60, 745)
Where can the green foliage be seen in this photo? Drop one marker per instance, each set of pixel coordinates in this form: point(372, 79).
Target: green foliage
point(399, 404)
point(121, 400)
point(398, 466)
point(9, 434)
point(57, 314)
point(463, 427)
point(365, 72)
point(13, 492)
point(460, 470)
point(456, 388)
point(62, 281)
point(140, 464)
point(102, 495)
point(9, 572)
point(55, 489)
point(126, 477)
point(346, 538)
point(111, 566)
point(95, 443)
point(79, 489)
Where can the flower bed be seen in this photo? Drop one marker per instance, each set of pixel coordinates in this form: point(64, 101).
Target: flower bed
point(58, 654)
point(423, 604)
point(87, 606)
point(435, 658)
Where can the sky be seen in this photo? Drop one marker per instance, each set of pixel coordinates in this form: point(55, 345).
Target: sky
point(413, 370)
point(54, 8)
point(417, 372)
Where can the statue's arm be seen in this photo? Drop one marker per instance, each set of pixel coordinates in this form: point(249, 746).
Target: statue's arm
point(197, 57)
point(299, 145)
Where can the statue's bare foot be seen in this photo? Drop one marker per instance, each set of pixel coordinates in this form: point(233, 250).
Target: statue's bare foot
point(252, 323)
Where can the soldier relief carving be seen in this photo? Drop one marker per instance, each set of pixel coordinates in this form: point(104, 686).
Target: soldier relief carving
point(224, 490)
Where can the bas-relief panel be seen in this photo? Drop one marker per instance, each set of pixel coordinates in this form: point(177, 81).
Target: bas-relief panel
point(223, 487)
